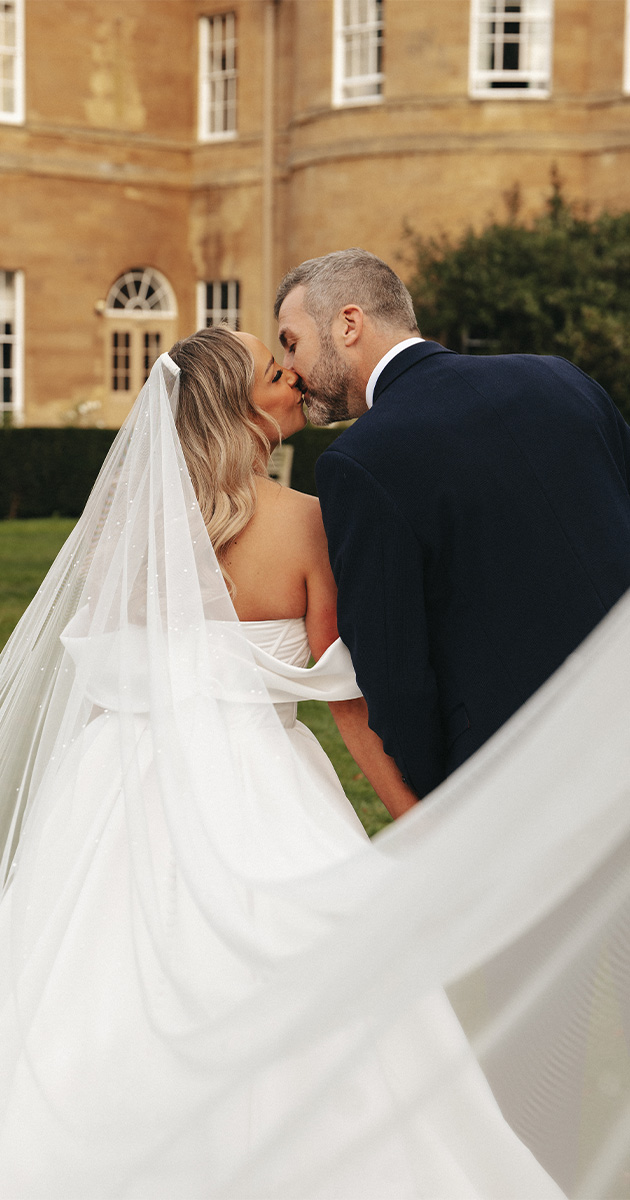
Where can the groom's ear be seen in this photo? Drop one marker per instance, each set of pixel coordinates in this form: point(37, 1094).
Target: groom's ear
point(351, 317)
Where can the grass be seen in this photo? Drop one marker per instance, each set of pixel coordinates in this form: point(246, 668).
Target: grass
point(27, 549)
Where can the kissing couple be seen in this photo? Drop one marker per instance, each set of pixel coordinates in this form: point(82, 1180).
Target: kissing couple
point(212, 984)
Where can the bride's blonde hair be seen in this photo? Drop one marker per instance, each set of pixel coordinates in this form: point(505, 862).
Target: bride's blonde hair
point(224, 446)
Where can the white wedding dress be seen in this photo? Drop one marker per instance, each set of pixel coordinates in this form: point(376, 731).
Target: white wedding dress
point(92, 1061)
point(212, 984)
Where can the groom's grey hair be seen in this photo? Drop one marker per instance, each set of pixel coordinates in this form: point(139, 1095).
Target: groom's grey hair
point(350, 277)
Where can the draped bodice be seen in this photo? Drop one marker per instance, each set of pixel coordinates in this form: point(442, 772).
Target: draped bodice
point(235, 661)
point(285, 639)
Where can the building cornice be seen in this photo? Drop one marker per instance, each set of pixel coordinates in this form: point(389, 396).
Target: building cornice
point(413, 145)
point(427, 102)
point(107, 156)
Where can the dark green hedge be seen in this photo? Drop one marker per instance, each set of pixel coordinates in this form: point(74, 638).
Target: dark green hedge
point(46, 471)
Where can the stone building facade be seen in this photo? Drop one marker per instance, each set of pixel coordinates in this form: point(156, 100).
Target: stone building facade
point(162, 162)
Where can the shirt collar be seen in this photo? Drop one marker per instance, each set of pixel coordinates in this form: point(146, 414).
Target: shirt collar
point(380, 366)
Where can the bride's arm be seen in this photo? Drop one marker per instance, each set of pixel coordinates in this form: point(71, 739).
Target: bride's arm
point(351, 716)
point(366, 748)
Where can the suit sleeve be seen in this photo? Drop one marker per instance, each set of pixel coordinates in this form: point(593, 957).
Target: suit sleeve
point(624, 438)
point(613, 418)
point(378, 567)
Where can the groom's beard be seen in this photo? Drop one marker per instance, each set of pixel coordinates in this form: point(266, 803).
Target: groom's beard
point(331, 386)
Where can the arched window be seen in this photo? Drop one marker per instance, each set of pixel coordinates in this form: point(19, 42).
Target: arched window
point(141, 310)
point(141, 290)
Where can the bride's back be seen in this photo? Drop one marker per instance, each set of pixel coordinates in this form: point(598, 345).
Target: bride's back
point(270, 560)
point(234, 403)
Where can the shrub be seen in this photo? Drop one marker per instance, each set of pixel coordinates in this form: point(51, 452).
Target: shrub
point(558, 285)
point(51, 471)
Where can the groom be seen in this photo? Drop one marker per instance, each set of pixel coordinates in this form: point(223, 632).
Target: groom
point(478, 513)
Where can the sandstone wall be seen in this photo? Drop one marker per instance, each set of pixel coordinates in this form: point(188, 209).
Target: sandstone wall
point(107, 172)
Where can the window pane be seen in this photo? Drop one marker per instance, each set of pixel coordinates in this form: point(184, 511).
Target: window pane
point(7, 338)
point(511, 45)
point(11, 75)
point(142, 289)
point(222, 303)
point(217, 71)
point(151, 350)
point(121, 362)
point(359, 54)
point(8, 30)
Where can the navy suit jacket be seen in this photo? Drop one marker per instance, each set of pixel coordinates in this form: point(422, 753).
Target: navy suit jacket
point(478, 520)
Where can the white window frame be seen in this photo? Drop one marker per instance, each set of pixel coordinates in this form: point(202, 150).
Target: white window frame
point(355, 24)
point(211, 310)
point(217, 98)
point(627, 51)
point(15, 316)
point(120, 360)
point(14, 53)
point(141, 292)
point(531, 80)
point(141, 309)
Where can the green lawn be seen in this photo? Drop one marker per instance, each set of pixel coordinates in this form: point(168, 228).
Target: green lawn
point(27, 548)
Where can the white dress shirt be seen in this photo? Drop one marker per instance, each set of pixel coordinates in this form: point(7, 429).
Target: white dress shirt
point(382, 363)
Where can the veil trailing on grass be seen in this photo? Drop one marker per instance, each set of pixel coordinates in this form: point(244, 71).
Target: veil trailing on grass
point(145, 777)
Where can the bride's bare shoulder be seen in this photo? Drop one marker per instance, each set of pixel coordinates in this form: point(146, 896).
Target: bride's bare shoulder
point(294, 517)
point(299, 506)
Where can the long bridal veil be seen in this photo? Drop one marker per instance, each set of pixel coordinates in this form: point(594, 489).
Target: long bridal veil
point(242, 960)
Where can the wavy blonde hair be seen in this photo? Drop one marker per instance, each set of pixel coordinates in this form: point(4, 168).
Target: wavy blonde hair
point(224, 446)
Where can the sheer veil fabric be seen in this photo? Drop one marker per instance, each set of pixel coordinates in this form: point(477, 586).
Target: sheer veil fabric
point(235, 977)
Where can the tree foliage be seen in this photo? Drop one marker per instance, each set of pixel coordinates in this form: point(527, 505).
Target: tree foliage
point(558, 285)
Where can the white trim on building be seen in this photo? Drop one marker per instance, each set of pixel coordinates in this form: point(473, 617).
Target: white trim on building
point(12, 346)
point(627, 51)
point(511, 49)
point(217, 77)
point(12, 62)
point(357, 52)
point(141, 292)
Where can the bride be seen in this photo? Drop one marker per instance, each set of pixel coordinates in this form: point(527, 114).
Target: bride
point(211, 983)
point(269, 540)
